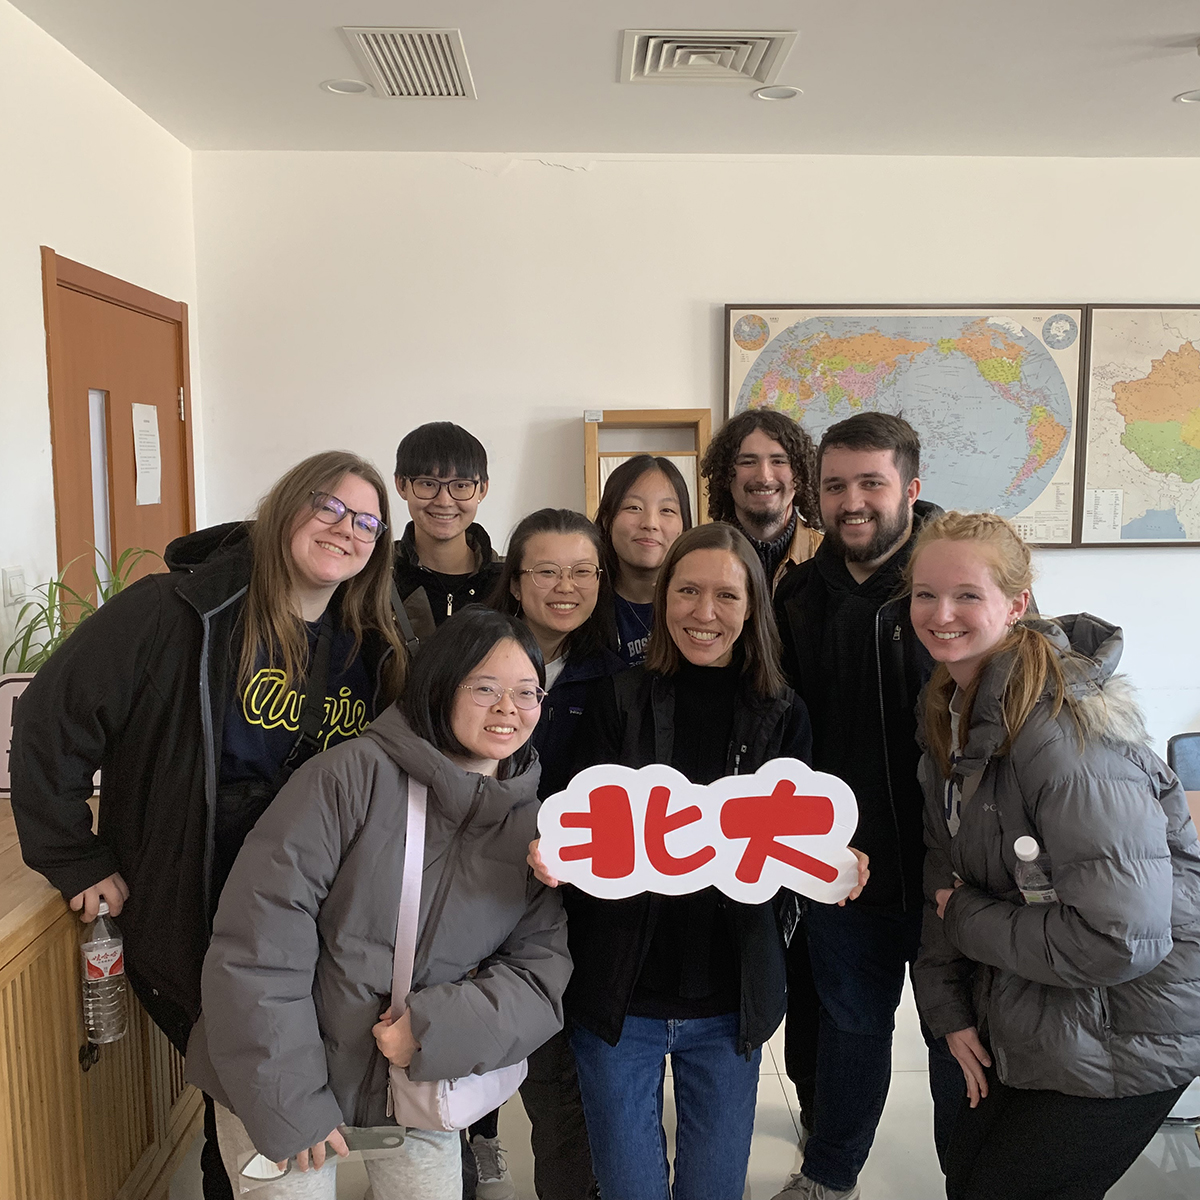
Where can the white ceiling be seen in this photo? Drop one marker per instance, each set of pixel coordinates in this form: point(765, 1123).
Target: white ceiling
point(1007, 77)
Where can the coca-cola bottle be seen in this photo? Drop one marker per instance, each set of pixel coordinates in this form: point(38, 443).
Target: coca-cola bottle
point(105, 1007)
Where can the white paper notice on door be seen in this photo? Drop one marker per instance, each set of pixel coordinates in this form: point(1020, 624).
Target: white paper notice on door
point(146, 454)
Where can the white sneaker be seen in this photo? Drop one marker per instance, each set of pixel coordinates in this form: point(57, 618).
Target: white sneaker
point(495, 1183)
point(800, 1187)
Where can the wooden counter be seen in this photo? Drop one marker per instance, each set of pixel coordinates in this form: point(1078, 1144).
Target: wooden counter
point(115, 1131)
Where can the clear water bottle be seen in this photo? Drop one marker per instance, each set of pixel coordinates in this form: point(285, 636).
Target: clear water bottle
point(105, 1006)
point(1033, 872)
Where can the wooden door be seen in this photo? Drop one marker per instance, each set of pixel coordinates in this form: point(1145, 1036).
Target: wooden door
point(112, 346)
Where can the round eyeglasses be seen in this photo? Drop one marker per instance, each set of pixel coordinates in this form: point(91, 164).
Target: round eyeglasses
point(459, 489)
point(546, 575)
point(330, 510)
point(525, 696)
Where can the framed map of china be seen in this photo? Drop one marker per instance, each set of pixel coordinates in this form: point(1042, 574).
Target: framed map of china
point(993, 393)
point(1142, 446)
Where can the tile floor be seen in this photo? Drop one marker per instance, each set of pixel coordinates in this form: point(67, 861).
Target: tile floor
point(902, 1165)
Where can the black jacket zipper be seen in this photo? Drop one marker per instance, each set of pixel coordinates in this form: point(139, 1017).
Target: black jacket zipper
point(887, 762)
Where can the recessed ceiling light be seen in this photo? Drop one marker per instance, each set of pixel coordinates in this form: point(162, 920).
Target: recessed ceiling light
point(346, 87)
point(777, 92)
point(1189, 97)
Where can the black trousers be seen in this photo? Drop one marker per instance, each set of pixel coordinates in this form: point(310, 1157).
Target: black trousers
point(214, 1180)
point(801, 1025)
point(1021, 1144)
point(562, 1157)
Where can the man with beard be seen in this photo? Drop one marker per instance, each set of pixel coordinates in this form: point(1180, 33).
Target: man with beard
point(761, 474)
point(849, 650)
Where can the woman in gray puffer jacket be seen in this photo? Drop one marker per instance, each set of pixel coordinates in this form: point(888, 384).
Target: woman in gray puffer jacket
point(296, 1033)
point(1077, 1021)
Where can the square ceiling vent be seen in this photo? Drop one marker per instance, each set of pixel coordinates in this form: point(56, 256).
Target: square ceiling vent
point(704, 55)
point(412, 64)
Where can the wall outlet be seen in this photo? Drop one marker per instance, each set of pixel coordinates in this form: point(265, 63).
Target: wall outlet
point(14, 585)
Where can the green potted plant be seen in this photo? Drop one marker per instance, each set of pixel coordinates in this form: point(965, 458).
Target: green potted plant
point(44, 623)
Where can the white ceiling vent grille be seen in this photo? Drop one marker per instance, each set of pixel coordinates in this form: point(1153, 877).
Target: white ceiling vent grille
point(412, 64)
point(703, 55)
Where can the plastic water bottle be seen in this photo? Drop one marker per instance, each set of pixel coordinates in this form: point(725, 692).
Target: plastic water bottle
point(1033, 872)
point(105, 1007)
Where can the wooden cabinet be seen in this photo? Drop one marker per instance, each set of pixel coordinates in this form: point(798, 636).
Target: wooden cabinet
point(114, 1131)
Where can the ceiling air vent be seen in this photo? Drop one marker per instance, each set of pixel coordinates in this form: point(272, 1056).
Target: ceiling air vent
point(413, 64)
point(703, 55)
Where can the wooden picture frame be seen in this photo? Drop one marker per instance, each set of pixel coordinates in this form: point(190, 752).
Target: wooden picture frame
point(1001, 388)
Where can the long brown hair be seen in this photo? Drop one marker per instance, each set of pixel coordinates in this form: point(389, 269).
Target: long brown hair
point(1034, 666)
point(759, 639)
point(271, 625)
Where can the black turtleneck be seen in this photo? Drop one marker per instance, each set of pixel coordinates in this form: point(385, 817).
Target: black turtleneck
point(691, 967)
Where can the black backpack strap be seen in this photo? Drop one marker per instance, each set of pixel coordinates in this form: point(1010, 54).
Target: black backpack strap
point(411, 641)
point(312, 703)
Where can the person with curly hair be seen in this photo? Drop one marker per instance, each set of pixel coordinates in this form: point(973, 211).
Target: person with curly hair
point(761, 474)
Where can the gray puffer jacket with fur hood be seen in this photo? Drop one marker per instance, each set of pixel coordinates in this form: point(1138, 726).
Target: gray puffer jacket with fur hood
point(300, 965)
point(1097, 994)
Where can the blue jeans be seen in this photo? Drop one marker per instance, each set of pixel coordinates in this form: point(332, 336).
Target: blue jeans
point(858, 957)
point(715, 1092)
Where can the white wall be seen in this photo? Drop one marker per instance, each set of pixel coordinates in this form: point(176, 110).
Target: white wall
point(91, 176)
point(348, 297)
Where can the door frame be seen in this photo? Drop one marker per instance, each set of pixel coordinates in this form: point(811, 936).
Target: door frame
point(57, 272)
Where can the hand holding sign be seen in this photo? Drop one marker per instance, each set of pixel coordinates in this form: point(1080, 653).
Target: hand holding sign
point(616, 832)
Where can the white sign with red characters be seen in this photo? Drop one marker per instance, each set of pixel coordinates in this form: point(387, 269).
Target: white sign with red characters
point(616, 832)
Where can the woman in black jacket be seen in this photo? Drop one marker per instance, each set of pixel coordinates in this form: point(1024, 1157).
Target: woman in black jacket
point(186, 690)
point(554, 581)
point(699, 977)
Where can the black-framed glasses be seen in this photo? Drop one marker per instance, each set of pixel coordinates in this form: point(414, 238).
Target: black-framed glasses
point(546, 575)
point(425, 488)
point(329, 509)
point(525, 696)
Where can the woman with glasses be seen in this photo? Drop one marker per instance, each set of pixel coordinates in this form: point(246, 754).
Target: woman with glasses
point(196, 693)
point(698, 977)
point(644, 508)
point(554, 582)
point(298, 1031)
point(553, 579)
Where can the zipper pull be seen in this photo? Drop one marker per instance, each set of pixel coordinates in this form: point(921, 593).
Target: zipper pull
point(449, 603)
point(896, 634)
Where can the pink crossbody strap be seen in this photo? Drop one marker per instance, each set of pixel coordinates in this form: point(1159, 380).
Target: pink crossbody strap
point(410, 898)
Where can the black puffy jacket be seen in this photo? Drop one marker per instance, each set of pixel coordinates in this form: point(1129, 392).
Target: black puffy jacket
point(631, 721)
point(139, 690)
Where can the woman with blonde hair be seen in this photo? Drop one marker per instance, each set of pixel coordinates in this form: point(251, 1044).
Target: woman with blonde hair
point(197, 692)
point(1071, 999)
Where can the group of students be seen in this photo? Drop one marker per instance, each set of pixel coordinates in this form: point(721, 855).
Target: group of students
point(263, 712)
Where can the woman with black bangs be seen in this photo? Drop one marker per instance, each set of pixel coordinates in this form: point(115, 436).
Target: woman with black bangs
point(644, 508)
point(554, 581)
point(297, 1031)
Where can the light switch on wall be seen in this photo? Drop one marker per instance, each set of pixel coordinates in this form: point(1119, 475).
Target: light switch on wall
point(14, 585)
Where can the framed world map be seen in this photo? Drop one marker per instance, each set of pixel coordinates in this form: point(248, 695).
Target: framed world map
point(1141, 477)
point(993, 392)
